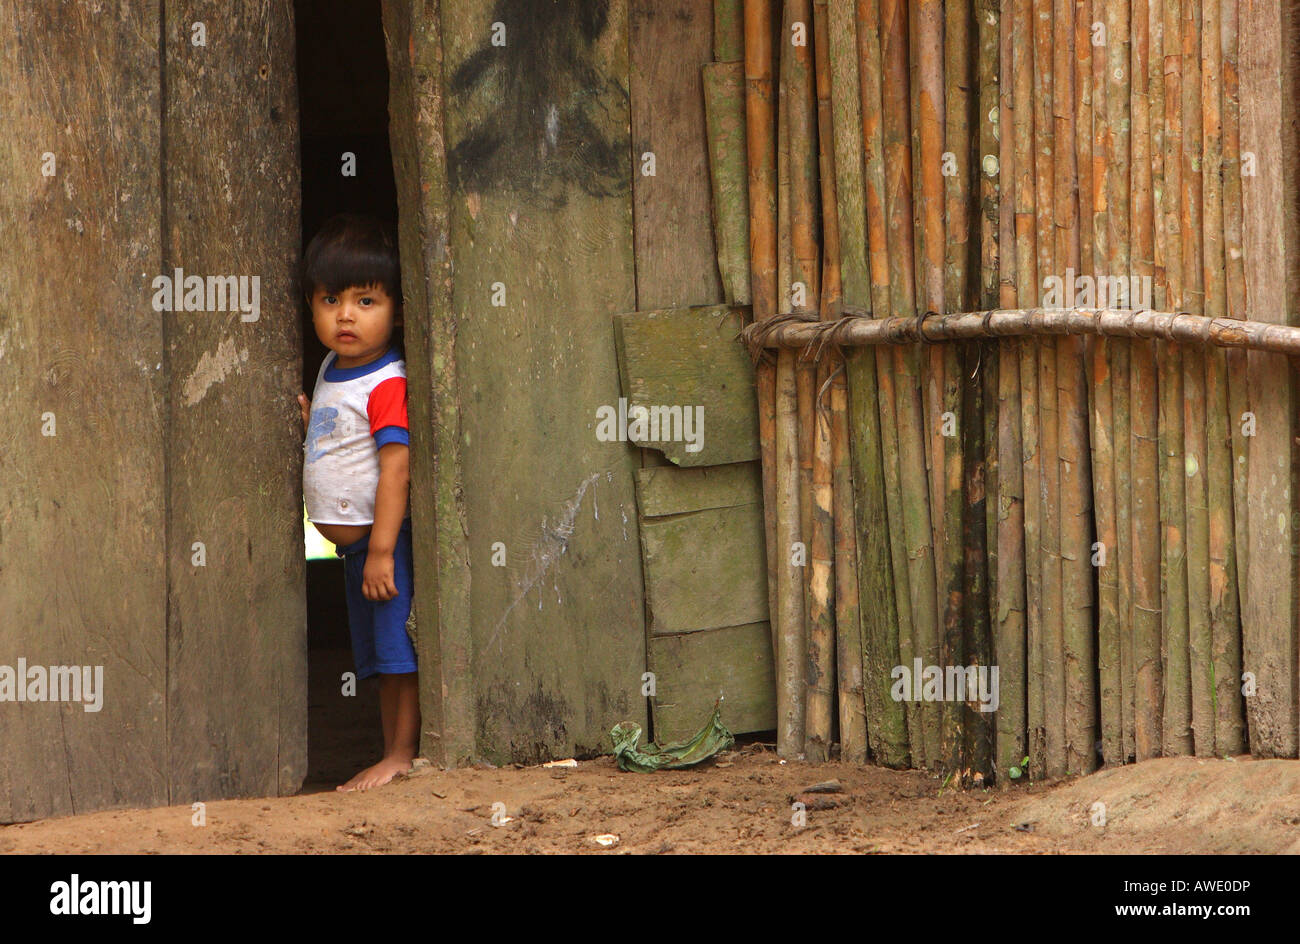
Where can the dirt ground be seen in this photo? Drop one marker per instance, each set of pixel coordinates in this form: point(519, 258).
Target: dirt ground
point(740, 802)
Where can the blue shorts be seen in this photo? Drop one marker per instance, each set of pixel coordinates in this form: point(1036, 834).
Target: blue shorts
point(379, 640)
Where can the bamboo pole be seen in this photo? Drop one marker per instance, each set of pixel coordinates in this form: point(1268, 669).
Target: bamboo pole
point(844, 269)
point(823, 645)
point(1175, 326)
point(1177, 715)
point(888, 627)
point(760, 154)
point(1101, 414)
point(1148, 644)
point(1229, 728)
point(791, 545)
point(728, 30)
point(724, 115)
point(1142, 642)
point(1027, 287)
point(982, 487)
point(1195, 419)
point(947, 242)
point(1009, 620)
point(1102, 517)
point(923, 728)
point(1052, 760)
point(805, 275)
point(1221, 562)
point(1118, 183)
point(1078, 650)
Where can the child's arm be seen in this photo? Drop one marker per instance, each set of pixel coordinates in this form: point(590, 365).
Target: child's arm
point(377, 581)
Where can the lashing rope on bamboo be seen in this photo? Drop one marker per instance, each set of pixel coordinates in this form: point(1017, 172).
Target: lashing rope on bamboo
point(856, 328)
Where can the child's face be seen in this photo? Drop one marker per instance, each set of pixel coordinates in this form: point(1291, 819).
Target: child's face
point(357, 323)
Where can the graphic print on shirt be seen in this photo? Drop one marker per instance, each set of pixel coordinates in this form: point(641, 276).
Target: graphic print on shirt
point(322, 424)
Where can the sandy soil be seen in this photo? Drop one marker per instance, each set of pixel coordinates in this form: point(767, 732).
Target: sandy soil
point(740, 802)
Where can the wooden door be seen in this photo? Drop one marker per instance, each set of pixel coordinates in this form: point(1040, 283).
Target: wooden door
point(151, 520)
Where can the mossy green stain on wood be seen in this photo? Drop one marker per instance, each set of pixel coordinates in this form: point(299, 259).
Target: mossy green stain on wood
point(690, 357)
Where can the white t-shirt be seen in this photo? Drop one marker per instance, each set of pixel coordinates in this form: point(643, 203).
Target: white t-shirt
point(354, 411)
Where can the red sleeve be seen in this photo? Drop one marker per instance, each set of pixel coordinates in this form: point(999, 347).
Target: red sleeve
point(387, 405)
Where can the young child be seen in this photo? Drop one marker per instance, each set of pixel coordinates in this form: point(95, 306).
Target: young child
point(355, 475)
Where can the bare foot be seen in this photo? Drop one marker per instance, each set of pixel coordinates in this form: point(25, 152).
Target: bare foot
point(378, 775)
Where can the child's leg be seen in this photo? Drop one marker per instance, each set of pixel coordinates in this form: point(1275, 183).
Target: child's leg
point(402, 714)
point(399, 699)
point(399, 709)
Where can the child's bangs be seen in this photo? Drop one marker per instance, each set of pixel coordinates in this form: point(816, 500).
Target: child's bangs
point(339, 267)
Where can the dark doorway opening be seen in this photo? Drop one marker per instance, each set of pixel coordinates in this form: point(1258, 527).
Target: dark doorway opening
point(346, 166)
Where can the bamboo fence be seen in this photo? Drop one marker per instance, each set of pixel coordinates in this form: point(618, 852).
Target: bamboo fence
point(999, 269)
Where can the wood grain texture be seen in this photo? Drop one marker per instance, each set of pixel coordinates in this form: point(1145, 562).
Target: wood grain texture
point(1269, 605)
point(541, 204)
point(692, 670)
point(82, 532)
point(440, 541)
point(237, 628)
point(668, 43)
point(692, 547)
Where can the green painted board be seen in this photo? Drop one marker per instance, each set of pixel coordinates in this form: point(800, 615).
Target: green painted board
point(692, 670)
point(690, 358)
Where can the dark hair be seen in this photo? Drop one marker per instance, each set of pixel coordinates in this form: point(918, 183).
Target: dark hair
point(351, 249)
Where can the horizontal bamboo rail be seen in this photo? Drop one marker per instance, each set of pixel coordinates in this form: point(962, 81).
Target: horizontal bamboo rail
point(858, 329)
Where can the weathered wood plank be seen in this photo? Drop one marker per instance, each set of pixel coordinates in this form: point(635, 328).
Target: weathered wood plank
point(690, 556)
point(237, 627)
point(689, 358)
point(541, 209)
point(692, 670)
point(444, 643)
point(82, 539)
point(1269, 246)
point(667, 490)
point(669, 41)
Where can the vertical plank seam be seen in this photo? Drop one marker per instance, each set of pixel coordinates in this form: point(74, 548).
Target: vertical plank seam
point(163, 254)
